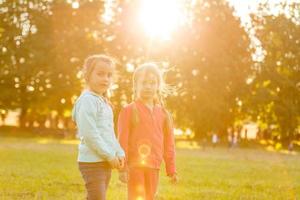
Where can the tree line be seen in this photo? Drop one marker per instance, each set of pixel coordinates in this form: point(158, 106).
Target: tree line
point(209, 61)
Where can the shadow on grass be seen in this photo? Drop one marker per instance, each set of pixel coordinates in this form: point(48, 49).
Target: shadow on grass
point(12, 131)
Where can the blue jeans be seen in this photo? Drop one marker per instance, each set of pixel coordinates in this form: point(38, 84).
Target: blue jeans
point(96, 177)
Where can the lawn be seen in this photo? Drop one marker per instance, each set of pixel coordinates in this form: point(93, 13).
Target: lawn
point(37, 168)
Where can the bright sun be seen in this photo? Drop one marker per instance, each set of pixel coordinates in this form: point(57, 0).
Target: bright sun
point(160, 18)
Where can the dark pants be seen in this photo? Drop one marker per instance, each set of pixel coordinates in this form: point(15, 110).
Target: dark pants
point(96, 177)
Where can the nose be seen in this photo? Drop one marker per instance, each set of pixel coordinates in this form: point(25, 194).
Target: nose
point(147, 86)
point(106, 78)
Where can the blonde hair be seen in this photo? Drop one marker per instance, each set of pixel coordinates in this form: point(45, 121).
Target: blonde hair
point(91, 61)
point(89, 66)
point(163, 90)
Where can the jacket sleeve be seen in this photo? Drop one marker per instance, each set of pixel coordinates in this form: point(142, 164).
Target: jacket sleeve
point(123, 131)
point(169, 148)
point(86, 123)
point(120, 151)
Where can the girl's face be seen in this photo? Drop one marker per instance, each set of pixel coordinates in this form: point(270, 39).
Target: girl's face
point(147, 86)
point(101, 78)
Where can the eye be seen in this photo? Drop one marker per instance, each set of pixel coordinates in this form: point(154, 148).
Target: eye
point(150, 82)
point(100, 73)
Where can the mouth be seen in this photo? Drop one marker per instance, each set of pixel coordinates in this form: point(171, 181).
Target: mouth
point(147, 92)
point(104, 84)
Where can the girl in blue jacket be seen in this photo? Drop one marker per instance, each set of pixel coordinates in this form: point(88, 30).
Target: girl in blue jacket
point(99, 150)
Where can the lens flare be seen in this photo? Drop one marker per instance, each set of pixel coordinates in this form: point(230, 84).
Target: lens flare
point(144, 150)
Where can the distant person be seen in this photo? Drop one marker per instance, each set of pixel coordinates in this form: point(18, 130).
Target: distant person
point(229, 137)
point(214, 139)
point(246, 134)
point(204, 142)
point(259, 134)
point(235, 140)
point(291, 146)
point(99, 150)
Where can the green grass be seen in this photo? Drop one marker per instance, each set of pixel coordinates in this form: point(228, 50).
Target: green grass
point(47, 169)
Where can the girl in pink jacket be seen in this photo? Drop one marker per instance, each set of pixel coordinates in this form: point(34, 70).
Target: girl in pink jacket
point(146, 134)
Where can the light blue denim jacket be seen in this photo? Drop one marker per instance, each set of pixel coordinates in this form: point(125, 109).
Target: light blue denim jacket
point(94, 119)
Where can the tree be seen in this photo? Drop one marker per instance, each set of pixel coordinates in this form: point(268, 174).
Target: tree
point(275, 97)
point(43, 46)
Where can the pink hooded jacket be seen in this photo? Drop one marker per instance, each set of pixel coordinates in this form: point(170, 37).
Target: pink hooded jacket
point(149, 141)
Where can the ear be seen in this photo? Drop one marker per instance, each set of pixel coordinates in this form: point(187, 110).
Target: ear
point(85, 76)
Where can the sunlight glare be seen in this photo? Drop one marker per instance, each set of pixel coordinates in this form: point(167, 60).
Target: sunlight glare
point(160, 18)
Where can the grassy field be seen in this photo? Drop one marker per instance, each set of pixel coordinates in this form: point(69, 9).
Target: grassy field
point(47, 169)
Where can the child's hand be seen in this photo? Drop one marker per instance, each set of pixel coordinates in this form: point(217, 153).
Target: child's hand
point(174, 178)
point(114, 163)
point(121, 162)
point(123, 176)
